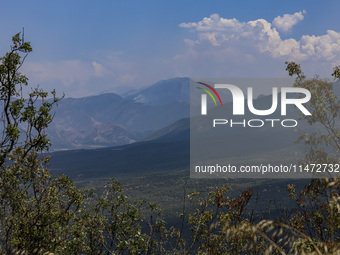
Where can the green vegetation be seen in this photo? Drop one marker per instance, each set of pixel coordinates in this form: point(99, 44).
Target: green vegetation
point(324, 145)
point(44, 214)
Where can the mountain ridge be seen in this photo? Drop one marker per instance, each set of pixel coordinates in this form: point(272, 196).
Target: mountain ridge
point(79, 122)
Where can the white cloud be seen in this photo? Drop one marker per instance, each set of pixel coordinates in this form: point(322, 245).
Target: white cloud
point(189, 42)
point(259, 36)
point(214, 23)
point(325, 46)
point(98, 68)
point(220, 47)
point(187, 25)
point(286, 22)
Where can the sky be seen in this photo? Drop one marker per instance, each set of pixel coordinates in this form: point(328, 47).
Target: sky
point(84, 47)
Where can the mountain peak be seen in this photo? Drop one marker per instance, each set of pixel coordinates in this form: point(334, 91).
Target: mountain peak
point(164, 92)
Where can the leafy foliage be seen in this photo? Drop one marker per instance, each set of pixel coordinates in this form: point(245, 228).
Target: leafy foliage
point(324, 144)
point(44, 214)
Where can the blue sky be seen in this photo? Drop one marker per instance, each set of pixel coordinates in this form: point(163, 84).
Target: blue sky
point(88, 47)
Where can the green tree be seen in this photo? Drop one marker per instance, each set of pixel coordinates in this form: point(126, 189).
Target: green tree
point(318, 203)
point(36, 209)
point(324, 143)
point(22, 123)
point(115, 225)
point(41, 213)
point(313, 226)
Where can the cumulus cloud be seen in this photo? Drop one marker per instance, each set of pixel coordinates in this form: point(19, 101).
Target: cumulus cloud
point(214, 23)
point(286, 22)
point(324, 46)
point(98, 68)
point(259, 36)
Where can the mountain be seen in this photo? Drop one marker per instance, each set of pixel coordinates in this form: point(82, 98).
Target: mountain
point(99, 136)
point(165, 92)
point(179, 130)
point(168, 148)
point(127, 160)
point(112, 120)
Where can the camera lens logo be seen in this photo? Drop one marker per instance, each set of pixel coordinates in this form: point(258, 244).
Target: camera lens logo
point(204, 97)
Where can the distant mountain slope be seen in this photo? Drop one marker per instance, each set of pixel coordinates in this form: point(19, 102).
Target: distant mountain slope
point(111, 120)
point(178, 130)
point(165, 92)
point(99, 136)
point(133, 159)
point(168, 148)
